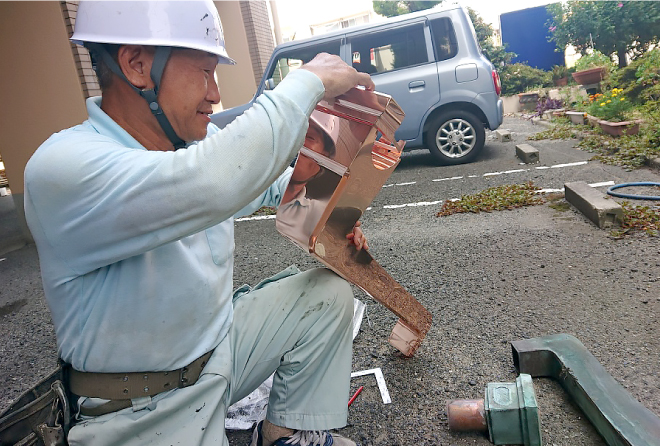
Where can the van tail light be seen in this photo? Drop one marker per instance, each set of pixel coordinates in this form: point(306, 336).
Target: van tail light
point(497, 83)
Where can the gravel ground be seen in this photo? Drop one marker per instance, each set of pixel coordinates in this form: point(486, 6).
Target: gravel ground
point(488, 279)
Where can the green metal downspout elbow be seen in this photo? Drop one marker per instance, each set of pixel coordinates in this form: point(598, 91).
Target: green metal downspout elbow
point(618, 417)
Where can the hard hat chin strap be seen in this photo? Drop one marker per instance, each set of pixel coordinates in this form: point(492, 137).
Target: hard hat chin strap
point(161, 56)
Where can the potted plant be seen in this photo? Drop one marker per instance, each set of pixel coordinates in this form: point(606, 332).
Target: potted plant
point(577, 117)
point(529, 99)
point(592, 68)
point(560, 75)
point(613, 110)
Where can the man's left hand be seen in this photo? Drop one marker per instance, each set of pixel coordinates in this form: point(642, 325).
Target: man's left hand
point(357, 237)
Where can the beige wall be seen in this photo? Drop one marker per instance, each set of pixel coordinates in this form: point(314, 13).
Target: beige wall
point(39, 88)
point(236, 82)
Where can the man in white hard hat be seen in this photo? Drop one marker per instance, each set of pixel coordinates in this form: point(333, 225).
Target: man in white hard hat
point(135, 240)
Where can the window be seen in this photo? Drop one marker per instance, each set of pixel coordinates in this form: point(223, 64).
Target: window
point(444, 39)
point(294, 59)
point(390, 50)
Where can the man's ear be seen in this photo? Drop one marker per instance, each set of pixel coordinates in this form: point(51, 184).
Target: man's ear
point(135, 62)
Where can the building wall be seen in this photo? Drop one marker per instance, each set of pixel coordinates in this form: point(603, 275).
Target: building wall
point(525, 33)
point(39, 88)
point(256, 19)
point(88, 81)
point(249, 42)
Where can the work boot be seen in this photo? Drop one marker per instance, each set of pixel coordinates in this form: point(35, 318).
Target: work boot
point(303, 438)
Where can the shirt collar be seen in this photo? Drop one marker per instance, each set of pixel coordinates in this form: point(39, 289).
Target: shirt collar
point(106, 126)
point(301, 198)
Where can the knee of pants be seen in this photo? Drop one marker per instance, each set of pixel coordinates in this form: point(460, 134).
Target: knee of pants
point(334, 290)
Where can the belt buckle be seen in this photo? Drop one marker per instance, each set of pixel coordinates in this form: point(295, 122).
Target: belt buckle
point(183, 379)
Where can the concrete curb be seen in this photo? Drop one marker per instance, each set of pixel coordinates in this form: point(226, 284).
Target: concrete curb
point(605, 213)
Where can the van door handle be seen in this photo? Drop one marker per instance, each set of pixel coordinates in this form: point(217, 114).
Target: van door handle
point(416, 85)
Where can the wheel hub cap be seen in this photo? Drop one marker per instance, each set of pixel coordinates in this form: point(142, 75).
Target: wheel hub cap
point(456, 138)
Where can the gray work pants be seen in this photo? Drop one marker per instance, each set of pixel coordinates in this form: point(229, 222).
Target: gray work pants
point(296, 325)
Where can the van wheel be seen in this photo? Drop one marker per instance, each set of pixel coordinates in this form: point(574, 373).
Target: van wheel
point(456, 137)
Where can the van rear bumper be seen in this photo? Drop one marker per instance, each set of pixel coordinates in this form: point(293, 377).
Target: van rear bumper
point(492, 106)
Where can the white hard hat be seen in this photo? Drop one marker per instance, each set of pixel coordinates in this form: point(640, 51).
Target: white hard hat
point(327, 123)
point(184, 24)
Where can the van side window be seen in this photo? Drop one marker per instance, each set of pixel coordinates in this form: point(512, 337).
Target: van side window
point(293, 59)
point(444, 38)
point(390, 50)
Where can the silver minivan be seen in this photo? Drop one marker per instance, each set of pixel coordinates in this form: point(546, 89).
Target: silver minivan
point(430, 62)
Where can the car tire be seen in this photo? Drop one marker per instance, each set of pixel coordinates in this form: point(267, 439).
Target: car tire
point(455, 137)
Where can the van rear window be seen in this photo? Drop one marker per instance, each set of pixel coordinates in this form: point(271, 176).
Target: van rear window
point(444, 38)
point(293, 59)
point(390, 50)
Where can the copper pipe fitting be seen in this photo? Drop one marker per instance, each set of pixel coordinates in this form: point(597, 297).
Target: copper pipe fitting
point(467, 415)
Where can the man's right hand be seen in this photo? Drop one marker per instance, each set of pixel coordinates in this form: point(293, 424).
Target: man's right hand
point(336, 75)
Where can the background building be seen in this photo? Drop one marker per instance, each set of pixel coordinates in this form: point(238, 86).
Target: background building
point(526, 33)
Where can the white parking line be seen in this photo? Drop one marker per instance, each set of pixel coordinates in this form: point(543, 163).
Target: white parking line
point(429, 203)
point(489, 174)
point(448, 179)
point(505, 172)
point(579, 163)
point(433, 203)
point(400, 184)
point(548, 191)
point(412, 205)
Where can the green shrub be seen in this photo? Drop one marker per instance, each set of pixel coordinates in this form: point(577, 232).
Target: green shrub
point(519, 77)
point(640, 80)
point(594, 60)
point(559, 71)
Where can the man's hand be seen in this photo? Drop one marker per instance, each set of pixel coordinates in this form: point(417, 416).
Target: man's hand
point(336, 75)
point(358, 237)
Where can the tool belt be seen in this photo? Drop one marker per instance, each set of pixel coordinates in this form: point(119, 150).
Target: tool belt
point(121, 388)
point(40, 416)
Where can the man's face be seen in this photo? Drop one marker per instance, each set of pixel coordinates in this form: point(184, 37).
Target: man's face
point(306, 168)
point(188, 91)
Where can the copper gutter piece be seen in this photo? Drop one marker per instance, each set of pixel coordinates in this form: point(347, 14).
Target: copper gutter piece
point(467, 415)
point(361, 124)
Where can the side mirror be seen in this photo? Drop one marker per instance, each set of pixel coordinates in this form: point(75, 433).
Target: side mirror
point(270, 84)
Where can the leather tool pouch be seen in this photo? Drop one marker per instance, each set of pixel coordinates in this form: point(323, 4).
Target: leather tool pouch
point(40, 416)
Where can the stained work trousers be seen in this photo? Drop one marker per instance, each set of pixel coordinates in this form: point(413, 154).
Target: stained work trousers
point(296, 325)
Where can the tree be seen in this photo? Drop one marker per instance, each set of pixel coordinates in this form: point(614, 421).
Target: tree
point(498, 55)
point(621, 28)
point(391, 9)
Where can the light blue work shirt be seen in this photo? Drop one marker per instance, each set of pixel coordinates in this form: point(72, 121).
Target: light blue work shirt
point(136, 246)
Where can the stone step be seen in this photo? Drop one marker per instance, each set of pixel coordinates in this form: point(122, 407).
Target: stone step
point(527, 153)
point(604, 212)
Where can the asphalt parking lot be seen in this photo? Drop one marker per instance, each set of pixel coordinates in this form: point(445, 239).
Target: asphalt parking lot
point(488, 279)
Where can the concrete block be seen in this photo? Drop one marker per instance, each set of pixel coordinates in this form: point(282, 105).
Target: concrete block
point(503, 135)
point(527, 153)
point(605, 213)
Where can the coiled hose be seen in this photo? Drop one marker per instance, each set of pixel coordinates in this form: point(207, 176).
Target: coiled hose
point(610, 191)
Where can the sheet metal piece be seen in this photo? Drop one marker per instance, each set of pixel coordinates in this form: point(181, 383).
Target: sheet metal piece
point(332, 186)
point(619, 418)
